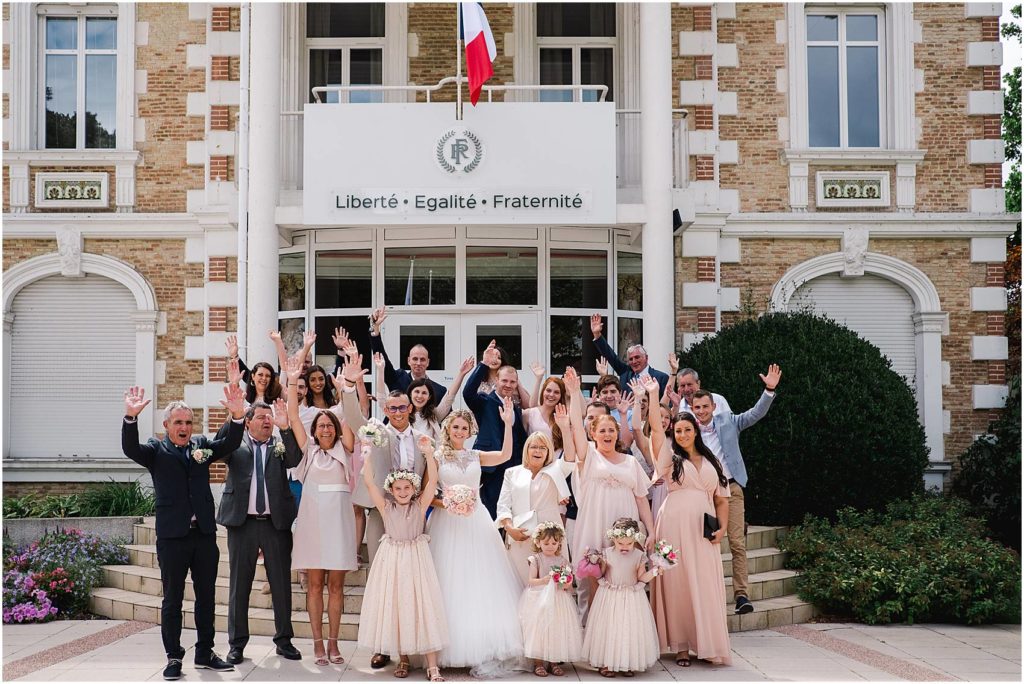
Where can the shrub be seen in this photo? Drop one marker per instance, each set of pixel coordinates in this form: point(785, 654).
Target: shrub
point(843, 430)
point(64, 566)
point(923, 559)
point(117, 498)
point(989, 476)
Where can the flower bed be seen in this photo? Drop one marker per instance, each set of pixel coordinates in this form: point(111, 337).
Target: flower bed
point(53, 576)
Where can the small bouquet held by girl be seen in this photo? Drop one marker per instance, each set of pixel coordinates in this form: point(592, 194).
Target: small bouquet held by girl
point(664, 556)
point(551, 624)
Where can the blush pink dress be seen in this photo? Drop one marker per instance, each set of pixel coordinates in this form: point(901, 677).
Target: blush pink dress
point(551, 623)
point(403, 613)
point(689, 599)
point(607, 491)
point(621, 634)
point(325, 529)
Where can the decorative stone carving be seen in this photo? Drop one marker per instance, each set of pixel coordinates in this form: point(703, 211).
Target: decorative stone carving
point(855, 249)
point(71, 190)
point(69, 247)
point(852, 189)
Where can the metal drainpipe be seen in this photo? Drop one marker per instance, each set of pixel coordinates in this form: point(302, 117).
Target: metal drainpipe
point(243, 181)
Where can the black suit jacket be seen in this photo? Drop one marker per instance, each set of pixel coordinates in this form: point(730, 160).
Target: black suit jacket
point(486, 410)
point(182, 485)
point(622, 368)
point(234, 504)
point(399, 378)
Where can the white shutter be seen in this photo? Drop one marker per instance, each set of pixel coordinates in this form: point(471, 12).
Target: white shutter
point(879, 310)
point(72, 356)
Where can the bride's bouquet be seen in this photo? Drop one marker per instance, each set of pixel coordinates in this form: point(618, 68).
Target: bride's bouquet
point(664, 555)
point(561, 574)
point(372, 432)
point(459, 500)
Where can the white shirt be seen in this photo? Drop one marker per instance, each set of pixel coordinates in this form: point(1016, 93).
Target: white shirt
point(710, 436)
point(259, 451)
point(406, 453)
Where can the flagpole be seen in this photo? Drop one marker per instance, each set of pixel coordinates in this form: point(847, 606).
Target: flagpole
point(458, 55)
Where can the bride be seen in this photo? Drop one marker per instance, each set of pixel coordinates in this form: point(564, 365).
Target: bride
point(479, 588)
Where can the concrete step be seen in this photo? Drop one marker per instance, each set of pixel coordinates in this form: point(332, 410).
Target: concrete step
point(758, 560)
point(145, 556)
point(773, 612)
point(119, 604)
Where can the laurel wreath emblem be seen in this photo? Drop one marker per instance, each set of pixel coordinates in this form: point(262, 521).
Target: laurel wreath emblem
point(448, 167)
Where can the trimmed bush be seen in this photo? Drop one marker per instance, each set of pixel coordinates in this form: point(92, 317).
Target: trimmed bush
point(989, 476)
point(110, 499)
point(921, 560)
point(843, 429)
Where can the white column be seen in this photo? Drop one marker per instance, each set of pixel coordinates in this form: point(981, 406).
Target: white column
point(656, 179)
point(264, 180)
point(928, 329)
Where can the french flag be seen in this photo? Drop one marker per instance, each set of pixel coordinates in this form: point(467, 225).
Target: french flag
point(480, 49)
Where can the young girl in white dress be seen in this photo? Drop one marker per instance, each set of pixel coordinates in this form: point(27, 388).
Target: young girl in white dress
point(621, 633)
point(402, 611)
point(478, 585)
point(547, 611)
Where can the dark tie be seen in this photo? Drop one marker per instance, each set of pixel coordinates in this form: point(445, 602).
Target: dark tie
point(261, 501)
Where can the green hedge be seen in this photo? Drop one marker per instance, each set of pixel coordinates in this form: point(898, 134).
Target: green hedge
point(843, 430)
point(923, 559)
point(989, 476)
point(109, 499)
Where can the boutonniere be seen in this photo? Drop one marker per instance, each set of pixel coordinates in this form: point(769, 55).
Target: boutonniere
point(202, 455)
point(279, 450)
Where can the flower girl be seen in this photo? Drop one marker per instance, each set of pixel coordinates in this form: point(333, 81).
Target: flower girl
point(403, 613)
point(550, 620)
point(621, 634)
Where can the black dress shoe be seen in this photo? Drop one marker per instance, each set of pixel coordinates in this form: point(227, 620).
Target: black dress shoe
point(743, 605)
point(213, 662)
point(288, 651)
point(234, 656)
point(173, 669)
point(379, 660)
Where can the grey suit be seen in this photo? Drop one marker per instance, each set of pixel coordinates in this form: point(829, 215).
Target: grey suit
point(247, 535)
point(729, 425)
point(384, 460)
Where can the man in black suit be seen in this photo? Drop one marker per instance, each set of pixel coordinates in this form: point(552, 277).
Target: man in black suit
point(258, 509)
point(636, 364)
point(486, 409)
point(399, 378)
point(186, 534)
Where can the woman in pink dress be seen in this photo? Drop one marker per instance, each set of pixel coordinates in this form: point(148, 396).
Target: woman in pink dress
point(541, 416)
point(689, 600)
point(324, 542)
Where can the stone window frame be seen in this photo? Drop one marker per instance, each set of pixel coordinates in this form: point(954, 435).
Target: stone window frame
point(71, 261)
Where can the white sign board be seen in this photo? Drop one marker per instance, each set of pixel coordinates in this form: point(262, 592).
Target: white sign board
point(548, 162)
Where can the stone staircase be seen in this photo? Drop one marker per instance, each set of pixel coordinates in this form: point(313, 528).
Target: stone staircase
point(133, 592)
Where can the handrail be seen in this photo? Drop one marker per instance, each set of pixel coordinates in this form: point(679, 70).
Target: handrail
point(602, 90)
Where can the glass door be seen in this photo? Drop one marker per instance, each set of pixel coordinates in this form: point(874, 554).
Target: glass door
point(517, 333)
point(439, 333)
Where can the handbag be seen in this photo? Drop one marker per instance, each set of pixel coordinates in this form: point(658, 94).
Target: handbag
point(710, 526)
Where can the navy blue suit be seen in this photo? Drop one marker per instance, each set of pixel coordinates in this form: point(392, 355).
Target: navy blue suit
point(622, 368)
point(485, 408)
point(182, 490)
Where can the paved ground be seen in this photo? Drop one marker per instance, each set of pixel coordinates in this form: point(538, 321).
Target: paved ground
point(119, 651)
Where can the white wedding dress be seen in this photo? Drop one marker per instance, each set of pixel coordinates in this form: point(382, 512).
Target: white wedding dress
point(479, 588)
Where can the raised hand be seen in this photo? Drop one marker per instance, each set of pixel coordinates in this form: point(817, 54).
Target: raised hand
point(351, 350)
point(280, 414)
point(571, 379)
point(377, 318)
point(636, 386)
point(234, 372)
point(673, 363)
point(596, 325)
point(378, 359)
point(232, 346)
point(771, 381)
point(507, 410)
point(538, 369)
point(491, 355)
point(338, 381)
point(353, 369)
point(562, 418)
point(602, 366)
point(426, 445)
point(340, 338)
point(135, 401)
point(674, 398)
point(293, 368)
point(308, 339)
point(234, 401)
point(651, 385)
point(467, 365)
point(275, 335)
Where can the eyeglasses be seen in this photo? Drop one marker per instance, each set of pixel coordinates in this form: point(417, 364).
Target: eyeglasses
point(401, 408)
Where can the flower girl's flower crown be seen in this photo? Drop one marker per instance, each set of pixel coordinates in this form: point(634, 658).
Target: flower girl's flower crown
point(396, 475)
point(545, 526)
point(626, 533)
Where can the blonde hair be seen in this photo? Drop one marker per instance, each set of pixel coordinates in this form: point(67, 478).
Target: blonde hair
point(543, 439)
point(548, 530)
point(447, 450)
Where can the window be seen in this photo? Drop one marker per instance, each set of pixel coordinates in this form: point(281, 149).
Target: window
point(845, 73)
point(501, 275)
point(419, 275)
point(577, 47)
point(345, 42)
point(79, 79)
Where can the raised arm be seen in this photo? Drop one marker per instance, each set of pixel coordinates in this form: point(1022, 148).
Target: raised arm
point(603, 348)
point(234, 402)
point(637, 422)
point(375, 492)
point(352, 371)
point(579, 434)
point(292, 451)
point(626, 403)
point(282, 353)
point(134, 402)
point(564, 424)
point(673, 369)
point(232, 347)
point(426, 445)
point(538, 381)
point(293, 369)
point(661, 469)
point(764, 402)
point(471, 392)
point(508, 416)
point(445, 406)
point(377, 346)
point(378, 365)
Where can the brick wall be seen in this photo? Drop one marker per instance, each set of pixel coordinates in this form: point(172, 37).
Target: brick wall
point(18, 489)
point(762, 181)
point(163, 178)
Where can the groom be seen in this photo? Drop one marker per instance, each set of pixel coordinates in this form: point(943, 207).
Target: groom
point(399, 451)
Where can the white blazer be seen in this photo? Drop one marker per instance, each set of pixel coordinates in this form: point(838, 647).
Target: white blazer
point(514, 500)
